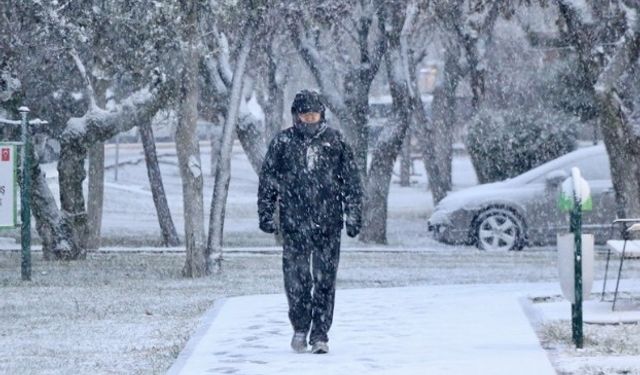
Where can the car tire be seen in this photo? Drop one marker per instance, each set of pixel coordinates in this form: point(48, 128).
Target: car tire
point(499, 229)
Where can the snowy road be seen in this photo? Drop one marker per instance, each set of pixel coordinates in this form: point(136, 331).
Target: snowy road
point(472, 329)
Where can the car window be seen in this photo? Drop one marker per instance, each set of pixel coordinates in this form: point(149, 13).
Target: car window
point(594, 167)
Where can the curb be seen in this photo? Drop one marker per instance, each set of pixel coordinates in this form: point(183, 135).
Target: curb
point(196, 337)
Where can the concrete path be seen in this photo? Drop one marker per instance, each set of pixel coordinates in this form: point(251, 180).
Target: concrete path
point(474, 329)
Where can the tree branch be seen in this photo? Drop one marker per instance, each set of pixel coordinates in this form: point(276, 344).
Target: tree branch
point(314, 61)
point(85, 77)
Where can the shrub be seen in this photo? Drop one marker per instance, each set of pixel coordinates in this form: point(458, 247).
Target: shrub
point(504, 144)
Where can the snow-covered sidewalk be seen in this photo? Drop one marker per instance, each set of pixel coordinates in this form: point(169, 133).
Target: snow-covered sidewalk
point(459, 329)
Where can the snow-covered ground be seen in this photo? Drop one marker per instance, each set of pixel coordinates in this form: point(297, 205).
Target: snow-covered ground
point(126, 312)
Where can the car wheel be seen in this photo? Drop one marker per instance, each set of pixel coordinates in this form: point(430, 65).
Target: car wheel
point(499, 229)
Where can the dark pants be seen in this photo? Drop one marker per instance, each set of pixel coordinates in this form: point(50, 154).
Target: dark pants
point(310, 263)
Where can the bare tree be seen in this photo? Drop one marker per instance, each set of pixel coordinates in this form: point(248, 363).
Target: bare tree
point(223, 172)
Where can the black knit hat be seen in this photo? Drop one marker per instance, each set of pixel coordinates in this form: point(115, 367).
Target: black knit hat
point(307, 101)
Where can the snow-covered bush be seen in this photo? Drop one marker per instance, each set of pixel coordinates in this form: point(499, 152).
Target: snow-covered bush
point(503, 144)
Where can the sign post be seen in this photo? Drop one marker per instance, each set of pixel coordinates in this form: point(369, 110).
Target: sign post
point(575, 197)
point(25, 204)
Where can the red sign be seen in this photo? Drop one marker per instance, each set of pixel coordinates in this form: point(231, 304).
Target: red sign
point(6, 154)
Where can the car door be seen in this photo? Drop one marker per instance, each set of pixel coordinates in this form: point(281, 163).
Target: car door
point(544, 219)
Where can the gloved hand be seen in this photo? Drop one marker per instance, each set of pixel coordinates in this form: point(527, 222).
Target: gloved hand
point(352, 230)
point(268, 226)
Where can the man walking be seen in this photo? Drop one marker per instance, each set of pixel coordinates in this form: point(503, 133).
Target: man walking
point(310, 174)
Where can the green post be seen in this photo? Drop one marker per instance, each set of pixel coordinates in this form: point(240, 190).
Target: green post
point(576, 307)
point(25, 204)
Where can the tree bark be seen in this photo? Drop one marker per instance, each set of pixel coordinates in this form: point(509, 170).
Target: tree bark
point(624, 157)
point(96, 196)
point(274, 108)
point(405, 162)
point(188, 150)
point(215, 144)
point(354, 122)
point(167, 227)
point(71, 173)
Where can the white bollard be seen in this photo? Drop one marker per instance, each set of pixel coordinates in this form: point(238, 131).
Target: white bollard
point(566, 267)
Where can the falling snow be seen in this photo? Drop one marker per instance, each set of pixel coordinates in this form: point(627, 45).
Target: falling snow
point(162, 123)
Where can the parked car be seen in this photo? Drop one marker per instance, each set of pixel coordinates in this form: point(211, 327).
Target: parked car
point(523, 210)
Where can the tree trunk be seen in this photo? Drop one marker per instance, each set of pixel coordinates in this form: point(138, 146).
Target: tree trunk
point(71, 173)
point(167, 227)
point(619, 128)
point(223, 173)
point(274, 110)
point(435, 137)
point(56, 238)
point(388, 147)
point(405, 162)
point(95, 198)
point(189, 152)
point(437, 150)
point(354, 121)
point(215, 144)
point(624, 158)
point(379, 180)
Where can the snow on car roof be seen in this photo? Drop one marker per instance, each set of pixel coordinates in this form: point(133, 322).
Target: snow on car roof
point(557, 163)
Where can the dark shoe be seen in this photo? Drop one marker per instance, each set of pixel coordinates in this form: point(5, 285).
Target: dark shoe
point(299, 342)
point(320, 347)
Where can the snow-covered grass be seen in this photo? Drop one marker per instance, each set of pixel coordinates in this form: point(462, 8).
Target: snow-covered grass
point(608, 349)
point(611, 338)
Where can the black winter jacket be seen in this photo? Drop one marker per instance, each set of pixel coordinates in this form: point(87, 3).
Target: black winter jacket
point(314, 179)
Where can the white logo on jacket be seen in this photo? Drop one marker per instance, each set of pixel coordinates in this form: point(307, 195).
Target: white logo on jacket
point(312, 157)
